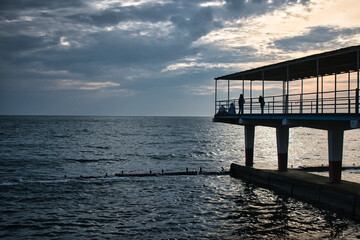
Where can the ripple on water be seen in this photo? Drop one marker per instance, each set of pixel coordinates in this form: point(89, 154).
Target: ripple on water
point(36, 201)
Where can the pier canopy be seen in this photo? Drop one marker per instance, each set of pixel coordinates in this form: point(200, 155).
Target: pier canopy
point(334, 62)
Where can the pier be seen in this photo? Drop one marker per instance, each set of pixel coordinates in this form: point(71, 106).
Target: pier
point(333, 106)
point(320, 91)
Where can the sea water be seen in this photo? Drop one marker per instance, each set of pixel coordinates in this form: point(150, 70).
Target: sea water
point(42, 195)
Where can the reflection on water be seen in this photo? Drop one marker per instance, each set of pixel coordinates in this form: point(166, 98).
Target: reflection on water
point(168, 207)
point(37, 202)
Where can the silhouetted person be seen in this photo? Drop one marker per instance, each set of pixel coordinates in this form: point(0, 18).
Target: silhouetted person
point(262, 103)
point(222, 110)
point(241, 104)
point(232, 110)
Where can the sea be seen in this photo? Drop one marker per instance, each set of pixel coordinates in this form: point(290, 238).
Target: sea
point(43, 196)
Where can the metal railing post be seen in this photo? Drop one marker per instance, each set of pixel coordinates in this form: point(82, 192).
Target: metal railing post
point(335, 102)
point(357, 102)
point(273, 105)
point(228, 102)
point(349, 100)
point(358, 84)
point(250, 97)
point(322, 94)
point(317, 85)
point(215, 96)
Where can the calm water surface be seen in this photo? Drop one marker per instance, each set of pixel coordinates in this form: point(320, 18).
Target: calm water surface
point(37, 202)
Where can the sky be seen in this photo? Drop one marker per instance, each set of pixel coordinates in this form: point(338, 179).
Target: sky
point(152, 57)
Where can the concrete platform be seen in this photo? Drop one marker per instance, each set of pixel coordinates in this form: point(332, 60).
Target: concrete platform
point(341, 197)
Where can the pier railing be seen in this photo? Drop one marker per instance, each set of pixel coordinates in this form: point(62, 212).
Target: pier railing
point(331, 102)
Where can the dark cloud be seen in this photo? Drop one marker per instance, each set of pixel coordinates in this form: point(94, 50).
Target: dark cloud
point(113, 48)
point(110, 17)
point(252, 7)
point(39, 5)
point(46, 43)
point(316, 38)
point(20, 43)
point(200, 24)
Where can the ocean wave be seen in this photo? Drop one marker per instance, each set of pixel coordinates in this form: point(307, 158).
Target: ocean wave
point(89, 179)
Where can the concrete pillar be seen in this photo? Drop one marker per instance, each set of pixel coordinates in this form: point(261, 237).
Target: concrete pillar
point(282, 139)
point(249, 145)
point(335, 142)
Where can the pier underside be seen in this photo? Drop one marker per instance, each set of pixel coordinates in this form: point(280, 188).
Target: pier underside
point(334, 124)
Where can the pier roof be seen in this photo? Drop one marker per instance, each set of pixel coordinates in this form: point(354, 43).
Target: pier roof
point(327, 63)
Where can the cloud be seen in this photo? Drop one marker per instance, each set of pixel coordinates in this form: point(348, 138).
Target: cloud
point(155, 50)
point(20, 43)
point(80, 85)
point(258, 7)
point(319, 37)
point(26, 4)
point(152, 12)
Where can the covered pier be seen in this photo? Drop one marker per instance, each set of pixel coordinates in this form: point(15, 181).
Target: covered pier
point(319, 91)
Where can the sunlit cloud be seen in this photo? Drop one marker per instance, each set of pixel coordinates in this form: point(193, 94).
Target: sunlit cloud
point(63, 42)
point(212, 4)
point(199, 90)
point(188, 66)
point(260, 32)
point(81, 85)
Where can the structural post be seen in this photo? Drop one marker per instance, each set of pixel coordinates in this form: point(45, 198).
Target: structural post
point(263, 93)
point(250, 97)
point(317, 85)
point(215, 95)
point(349, 100)
point(243, 86)
point(335, 145)
point(249, 145)
point(301, 96)
point(287, 89)
point(335, 93)
point(263, 84)
point(322, 94)
point(228, 94)
point(284, 103)
point(358, 86)
point(282, 139)
point(357, 102)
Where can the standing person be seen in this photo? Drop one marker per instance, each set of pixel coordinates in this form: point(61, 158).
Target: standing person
point(241, 104)
point(262, 103)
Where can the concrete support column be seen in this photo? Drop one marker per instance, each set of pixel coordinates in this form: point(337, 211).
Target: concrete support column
point(249, 145)
point(282, 139)
point(335, 142)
